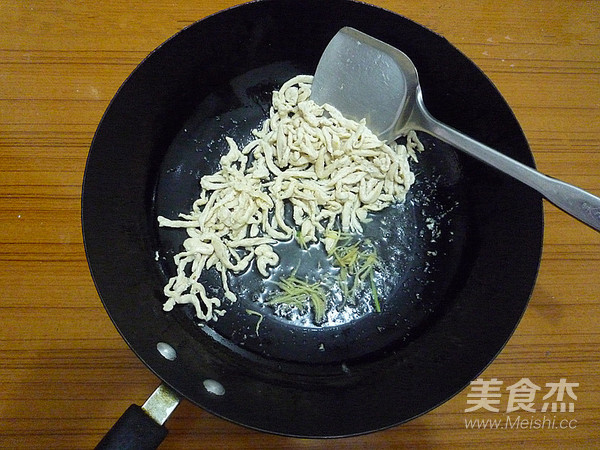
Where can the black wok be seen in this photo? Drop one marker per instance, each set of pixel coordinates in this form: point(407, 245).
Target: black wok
point(467, 240)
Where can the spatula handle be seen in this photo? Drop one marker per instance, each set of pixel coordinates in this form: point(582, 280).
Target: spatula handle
point(573, 200)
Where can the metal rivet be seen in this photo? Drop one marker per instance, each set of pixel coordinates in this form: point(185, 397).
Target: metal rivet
point(166, 351)
point(214, 387)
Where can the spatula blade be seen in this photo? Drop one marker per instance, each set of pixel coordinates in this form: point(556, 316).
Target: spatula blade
point(360, 76)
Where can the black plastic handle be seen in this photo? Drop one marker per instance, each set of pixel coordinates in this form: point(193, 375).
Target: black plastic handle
point(134, 430)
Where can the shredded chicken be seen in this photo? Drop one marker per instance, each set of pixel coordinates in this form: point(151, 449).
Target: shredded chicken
point(331, 171)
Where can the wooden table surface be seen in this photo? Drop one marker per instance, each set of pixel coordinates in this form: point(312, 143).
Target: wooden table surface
point(65, 373)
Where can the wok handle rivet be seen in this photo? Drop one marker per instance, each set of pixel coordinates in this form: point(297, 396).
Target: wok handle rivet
point(214, 387)
point(166, 351)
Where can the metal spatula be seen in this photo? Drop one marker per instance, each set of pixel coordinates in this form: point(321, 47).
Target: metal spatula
point(366, 78)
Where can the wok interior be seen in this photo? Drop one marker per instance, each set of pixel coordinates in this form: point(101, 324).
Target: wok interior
point(461, 285)
point(419, 242)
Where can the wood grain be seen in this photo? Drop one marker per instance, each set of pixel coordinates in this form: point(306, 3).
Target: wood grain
point(65, 374)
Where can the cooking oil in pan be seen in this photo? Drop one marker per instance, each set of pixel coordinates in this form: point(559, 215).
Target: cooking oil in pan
point(390, 234)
